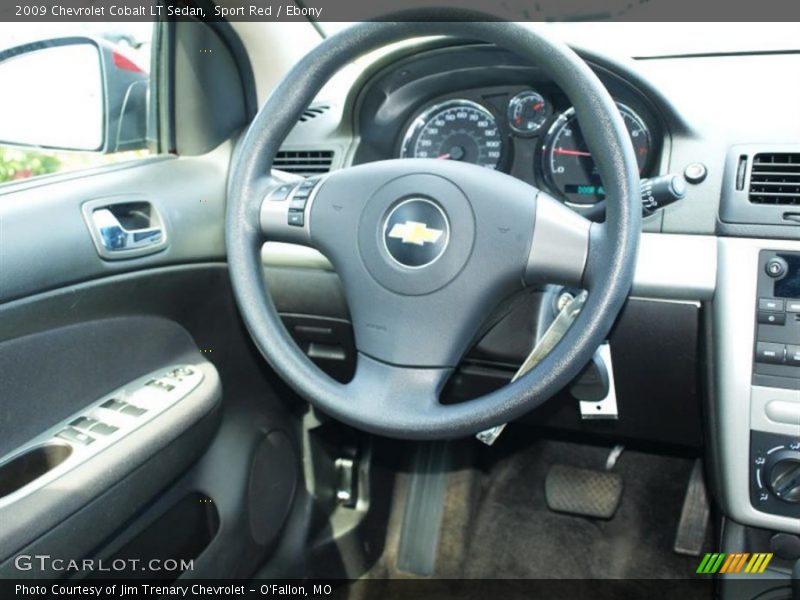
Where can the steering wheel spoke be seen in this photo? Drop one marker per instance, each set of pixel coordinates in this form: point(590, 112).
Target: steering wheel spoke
point(560, 247)
point(384, 389)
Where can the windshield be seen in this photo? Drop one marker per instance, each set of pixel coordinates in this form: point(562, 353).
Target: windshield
point(642, 40)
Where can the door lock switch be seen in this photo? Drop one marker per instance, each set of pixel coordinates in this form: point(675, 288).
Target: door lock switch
point(161, 385)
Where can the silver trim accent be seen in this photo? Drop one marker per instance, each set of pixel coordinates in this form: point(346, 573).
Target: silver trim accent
point(775, 410)
point(560, 245)
point(676, 267)
point(99, 218)
point(446, 232)
point(734, 311)
point(136, 393)
point(669, 268)
point(607, 407)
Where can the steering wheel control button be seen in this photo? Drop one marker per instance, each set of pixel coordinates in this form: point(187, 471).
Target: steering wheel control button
point(771, 318)
point(416, 233)
point(282, 192)
point(770, 304)
point(770, 353)
point(776, 267)
point(695, 173)
point(296, 218)
point(73, 435)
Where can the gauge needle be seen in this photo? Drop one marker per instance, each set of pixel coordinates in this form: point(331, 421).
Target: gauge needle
point(444, 157)
point(571, 152)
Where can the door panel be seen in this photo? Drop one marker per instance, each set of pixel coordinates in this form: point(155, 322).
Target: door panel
point(75, 327)
point(45, 241)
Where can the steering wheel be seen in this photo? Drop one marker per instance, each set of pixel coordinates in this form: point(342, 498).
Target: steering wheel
point(426, 248)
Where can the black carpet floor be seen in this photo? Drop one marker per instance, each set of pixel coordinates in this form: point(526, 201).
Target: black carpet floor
point(515, 535)
point(497, 525)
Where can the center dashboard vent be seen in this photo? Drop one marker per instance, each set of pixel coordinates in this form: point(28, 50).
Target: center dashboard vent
point(304, 162)
point(775, 179)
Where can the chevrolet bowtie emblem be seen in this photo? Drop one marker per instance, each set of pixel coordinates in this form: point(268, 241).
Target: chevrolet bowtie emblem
point(412, 232)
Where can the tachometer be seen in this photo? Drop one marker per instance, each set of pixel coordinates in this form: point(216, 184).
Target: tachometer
point(569, 169)
point(455, 130)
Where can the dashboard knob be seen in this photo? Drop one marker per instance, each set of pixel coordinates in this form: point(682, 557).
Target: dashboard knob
point(776, 267)
point(784, 476)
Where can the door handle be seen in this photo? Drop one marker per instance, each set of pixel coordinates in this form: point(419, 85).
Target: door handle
point(116, 238)
point(125, 229)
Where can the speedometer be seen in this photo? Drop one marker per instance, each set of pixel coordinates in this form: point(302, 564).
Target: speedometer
point(569, 169)
point(455, 130)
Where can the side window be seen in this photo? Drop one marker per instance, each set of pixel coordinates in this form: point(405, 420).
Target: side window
point(75, 95)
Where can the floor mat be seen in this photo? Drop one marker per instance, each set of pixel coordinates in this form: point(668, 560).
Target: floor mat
point(515, 535)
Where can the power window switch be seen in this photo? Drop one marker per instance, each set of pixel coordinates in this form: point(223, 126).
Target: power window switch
point(113, 404)
point(793, 306)
point(73, 435)
point(103, 429)
point(770, 353)
point(83, 423)
point(133, 411)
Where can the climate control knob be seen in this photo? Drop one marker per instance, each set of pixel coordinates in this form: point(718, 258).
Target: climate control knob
point(784, 476)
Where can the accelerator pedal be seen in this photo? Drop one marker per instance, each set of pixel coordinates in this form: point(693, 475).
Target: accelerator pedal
point(695, 515)
point(584, 492)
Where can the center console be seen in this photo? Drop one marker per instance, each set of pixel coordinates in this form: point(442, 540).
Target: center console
point(775, 415)
point(757, 378)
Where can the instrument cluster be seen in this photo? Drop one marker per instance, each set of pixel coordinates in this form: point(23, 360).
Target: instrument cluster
point(505, 129)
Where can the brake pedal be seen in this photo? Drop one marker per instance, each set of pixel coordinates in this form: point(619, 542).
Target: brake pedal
point(583, 492)
point(692, 527)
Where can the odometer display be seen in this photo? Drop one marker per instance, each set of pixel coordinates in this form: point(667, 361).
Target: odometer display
point(459, 130)
point(568, 166)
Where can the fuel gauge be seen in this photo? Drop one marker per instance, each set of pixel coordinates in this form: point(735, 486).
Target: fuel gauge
point(527, 112)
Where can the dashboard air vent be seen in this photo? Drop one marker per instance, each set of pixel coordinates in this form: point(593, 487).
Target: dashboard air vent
point(775, 179)
point(313, 112)
point(304, 162)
